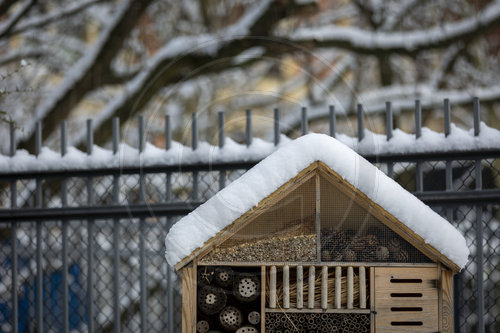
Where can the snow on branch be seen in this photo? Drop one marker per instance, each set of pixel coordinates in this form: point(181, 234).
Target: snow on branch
point(412, 42)
point(7, 26)
point(175, 57)
point(63, 13)
point(81, 78)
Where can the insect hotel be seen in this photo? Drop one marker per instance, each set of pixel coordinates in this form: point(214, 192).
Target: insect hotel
point(315, 239)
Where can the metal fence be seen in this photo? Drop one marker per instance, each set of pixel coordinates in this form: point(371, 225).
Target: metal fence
point(82, 250)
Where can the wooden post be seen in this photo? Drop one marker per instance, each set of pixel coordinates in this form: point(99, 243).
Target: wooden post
point(362, 287)
point(286, 287)
point(447, 301)
point(338, 287)
point(263, 299)
point(300, 287)
point(272, 288)
point(350, 287)
point(372, 299)
point(324, 287)
point(310, 293)
point(189, 300)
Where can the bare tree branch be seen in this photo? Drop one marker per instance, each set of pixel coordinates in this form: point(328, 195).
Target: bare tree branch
point(410, 43)
point(7, 26)
point(88, 73)
point(6, 5)
point(187, 57)
point(55, 16)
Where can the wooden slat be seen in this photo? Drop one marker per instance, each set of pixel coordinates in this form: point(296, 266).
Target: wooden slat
point(189, 300)
point(292, 310)
point(447, 301)
point(324, 287)
point(350, 287)
point(362, 287)
point(300, 287)
point(318, 218)
point(311, 287)
point(372, 299)
point(272, 287)
point(338, 287)
point(329, 264)
point(286, 287)
point(263, 299)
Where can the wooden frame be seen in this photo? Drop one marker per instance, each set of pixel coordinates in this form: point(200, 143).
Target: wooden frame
point(442, 267)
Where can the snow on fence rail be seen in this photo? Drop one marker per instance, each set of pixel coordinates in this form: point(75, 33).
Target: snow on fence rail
point(395, 141)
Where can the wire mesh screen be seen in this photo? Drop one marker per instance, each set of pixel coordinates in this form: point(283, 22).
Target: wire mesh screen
point(283, 233)
point(50, 269)
point(350, 233)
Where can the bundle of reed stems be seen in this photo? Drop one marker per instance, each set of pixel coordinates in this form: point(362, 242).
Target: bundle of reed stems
point(317, 289)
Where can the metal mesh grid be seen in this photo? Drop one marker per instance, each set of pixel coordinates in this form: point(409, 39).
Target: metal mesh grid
point(156, 276)
point(285, 232)
point(349, 233)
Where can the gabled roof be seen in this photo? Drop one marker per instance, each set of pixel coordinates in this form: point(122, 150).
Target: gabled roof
point(192, 233)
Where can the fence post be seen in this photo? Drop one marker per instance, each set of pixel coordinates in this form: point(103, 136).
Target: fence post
point(194, 145)
point(304, 124)
point(388, 132)
point(361, 123)
point(38, 204)
point(116, 234)
point(222, 141)
point(248, 132)
point(64, 231)
point(419, 182)
point(276, 126)
point(13, 204)
point(333, 121)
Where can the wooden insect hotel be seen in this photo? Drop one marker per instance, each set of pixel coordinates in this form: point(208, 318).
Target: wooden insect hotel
point(315, 239)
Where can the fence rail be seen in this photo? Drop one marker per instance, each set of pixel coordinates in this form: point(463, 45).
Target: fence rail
point(82, 249)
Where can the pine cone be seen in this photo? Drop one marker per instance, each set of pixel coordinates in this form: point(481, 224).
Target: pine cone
point(400, 256)
point(349, 255)
point(382, 253)
point(394, 245)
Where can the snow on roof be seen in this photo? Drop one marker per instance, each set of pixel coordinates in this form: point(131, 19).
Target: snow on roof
point(192, 231)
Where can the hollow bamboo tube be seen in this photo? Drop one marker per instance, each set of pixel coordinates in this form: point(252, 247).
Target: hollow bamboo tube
point(350, 287)
point(272, 288)
point(310, 293)
point(286, 287)
point(300, 287)
point(362, 288)
point(338, 287)
point(324, 287)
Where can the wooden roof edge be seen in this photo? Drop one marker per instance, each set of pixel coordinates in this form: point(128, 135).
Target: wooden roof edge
point(384, 216)
point(244, 219)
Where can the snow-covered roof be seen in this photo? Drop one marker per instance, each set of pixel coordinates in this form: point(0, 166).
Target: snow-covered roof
point(192, 231)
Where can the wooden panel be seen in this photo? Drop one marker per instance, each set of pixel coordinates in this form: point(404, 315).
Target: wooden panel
point(447, 301)
point(406, 300)
point(263, 299)
point(189, 300)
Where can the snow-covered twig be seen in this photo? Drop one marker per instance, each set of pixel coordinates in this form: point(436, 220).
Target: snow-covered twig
point(412, 42)
point(63, 13)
